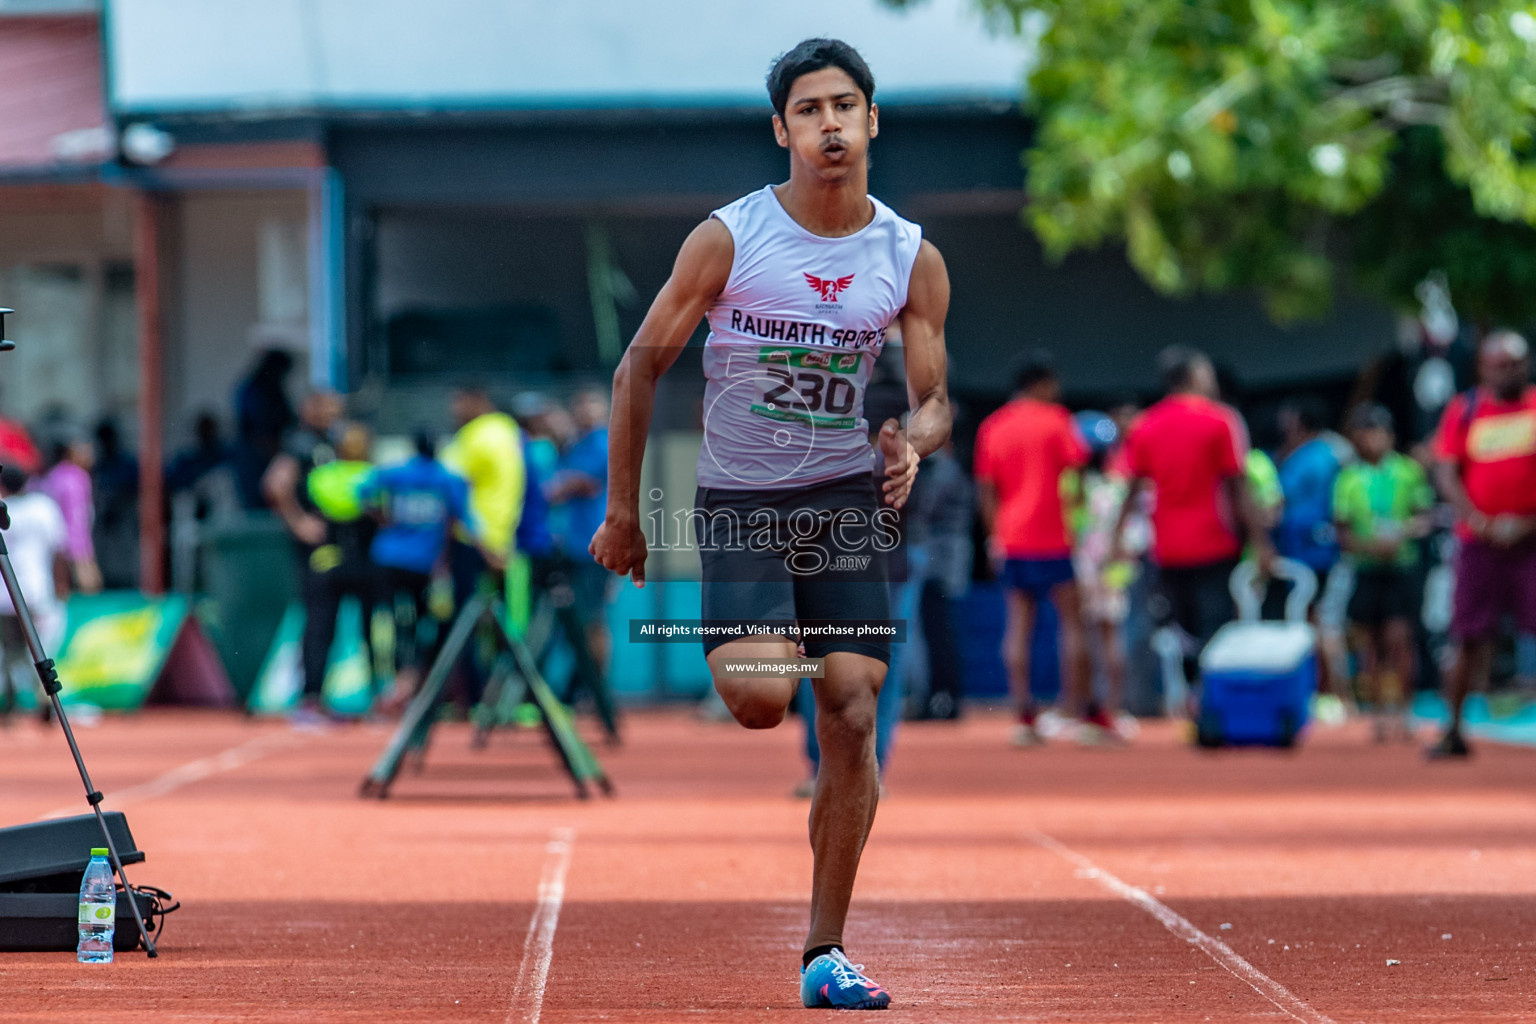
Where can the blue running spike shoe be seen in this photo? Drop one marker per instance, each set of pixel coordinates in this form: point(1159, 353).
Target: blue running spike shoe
point(832, 982)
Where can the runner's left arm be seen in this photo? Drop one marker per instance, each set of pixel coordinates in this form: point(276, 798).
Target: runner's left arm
point(922, 340)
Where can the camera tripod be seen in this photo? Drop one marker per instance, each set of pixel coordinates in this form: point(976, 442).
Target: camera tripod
point(51, 686)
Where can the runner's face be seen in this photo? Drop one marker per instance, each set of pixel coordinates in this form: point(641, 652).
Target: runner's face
point(827, 123)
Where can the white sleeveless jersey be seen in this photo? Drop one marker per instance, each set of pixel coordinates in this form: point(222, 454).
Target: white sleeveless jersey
point(792, 342)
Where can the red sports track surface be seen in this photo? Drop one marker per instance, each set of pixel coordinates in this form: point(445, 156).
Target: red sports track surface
point(1147, 884)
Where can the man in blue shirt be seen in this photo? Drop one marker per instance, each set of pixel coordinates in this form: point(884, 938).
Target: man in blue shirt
point(580, 487)
point(1308, 466)
point(420, 501)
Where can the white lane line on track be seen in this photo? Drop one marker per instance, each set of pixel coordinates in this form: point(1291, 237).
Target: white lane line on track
point(1214, 948)
point(539, 945)
point(185, 775)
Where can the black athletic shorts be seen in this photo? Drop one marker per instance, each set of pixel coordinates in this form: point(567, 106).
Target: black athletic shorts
point(820, 552)
point(1383, 593)
point(1197, 598)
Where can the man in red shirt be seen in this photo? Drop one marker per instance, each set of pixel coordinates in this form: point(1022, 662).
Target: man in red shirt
point(1486, 452)
point(1022, 451)
point(17, 449)
point(1191, 449)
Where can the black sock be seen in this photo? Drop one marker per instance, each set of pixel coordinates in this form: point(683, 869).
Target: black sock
point(816, 951)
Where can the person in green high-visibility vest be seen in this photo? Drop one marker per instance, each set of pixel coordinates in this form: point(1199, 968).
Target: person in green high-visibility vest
point(340, 566)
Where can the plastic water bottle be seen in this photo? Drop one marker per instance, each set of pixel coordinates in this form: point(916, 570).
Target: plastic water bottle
point(98, 911)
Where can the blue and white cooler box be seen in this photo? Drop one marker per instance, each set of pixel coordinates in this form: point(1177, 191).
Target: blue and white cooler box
point(1257, 678)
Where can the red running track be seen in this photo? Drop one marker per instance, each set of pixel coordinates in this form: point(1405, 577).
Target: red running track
point(1147, 884)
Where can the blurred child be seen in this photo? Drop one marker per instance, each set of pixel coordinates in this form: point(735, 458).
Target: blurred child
point(1379, 506)
point(37, 541)
point(1102, 581)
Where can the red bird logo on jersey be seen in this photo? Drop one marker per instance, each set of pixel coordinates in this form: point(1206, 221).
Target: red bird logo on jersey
point(829, 288)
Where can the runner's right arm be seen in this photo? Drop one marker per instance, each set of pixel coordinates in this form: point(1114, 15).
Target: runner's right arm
point(700, 274)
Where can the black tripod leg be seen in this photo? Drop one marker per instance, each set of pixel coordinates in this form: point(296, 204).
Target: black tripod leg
point(558, 726)
point(589, 676)
point(50, 680)
point(492, 705)
point(416, 722)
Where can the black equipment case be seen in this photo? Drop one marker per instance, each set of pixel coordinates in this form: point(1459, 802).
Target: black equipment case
point(40, 870)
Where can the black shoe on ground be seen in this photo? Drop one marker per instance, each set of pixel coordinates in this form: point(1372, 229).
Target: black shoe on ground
point(1451, 745)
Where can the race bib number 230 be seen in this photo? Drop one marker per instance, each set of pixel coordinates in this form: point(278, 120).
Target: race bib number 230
point(807, 385)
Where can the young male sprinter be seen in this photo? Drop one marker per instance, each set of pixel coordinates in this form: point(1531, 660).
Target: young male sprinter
point(799, 282)
point(1486, 452)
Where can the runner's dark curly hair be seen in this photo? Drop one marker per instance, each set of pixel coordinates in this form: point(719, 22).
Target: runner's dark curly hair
point(811, 56)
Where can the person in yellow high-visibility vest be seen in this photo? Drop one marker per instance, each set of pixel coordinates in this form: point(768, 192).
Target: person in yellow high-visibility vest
point(339, 566)
point(487, 451)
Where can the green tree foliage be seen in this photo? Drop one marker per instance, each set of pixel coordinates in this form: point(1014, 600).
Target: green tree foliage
point(1269, 144)
point(1423, 222)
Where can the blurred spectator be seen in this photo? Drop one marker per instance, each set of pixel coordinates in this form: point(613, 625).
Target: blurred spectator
point(1264, 488)
point(192, 469)
point(1023, 451)
point(1103, 582)
point(1309, 464)
point(940, 514)
point(579, 488)
point(1380, 505)
point(1122, 413)
point(37, 541)
point(558, 432)
point(1143, 685)
point(536, 529)
point(534, 537)
point(1193, 451)
point(263, 418)
point(17, 448)
point(340, 566)
point(68, 483)
point(306, 447)
point(201, 487)
point(285, 485)
point(1486, 449)
point(487, 452)
point(116, 482)
point(419, 501)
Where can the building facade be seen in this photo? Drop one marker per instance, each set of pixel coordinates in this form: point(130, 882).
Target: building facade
point(404, 196)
